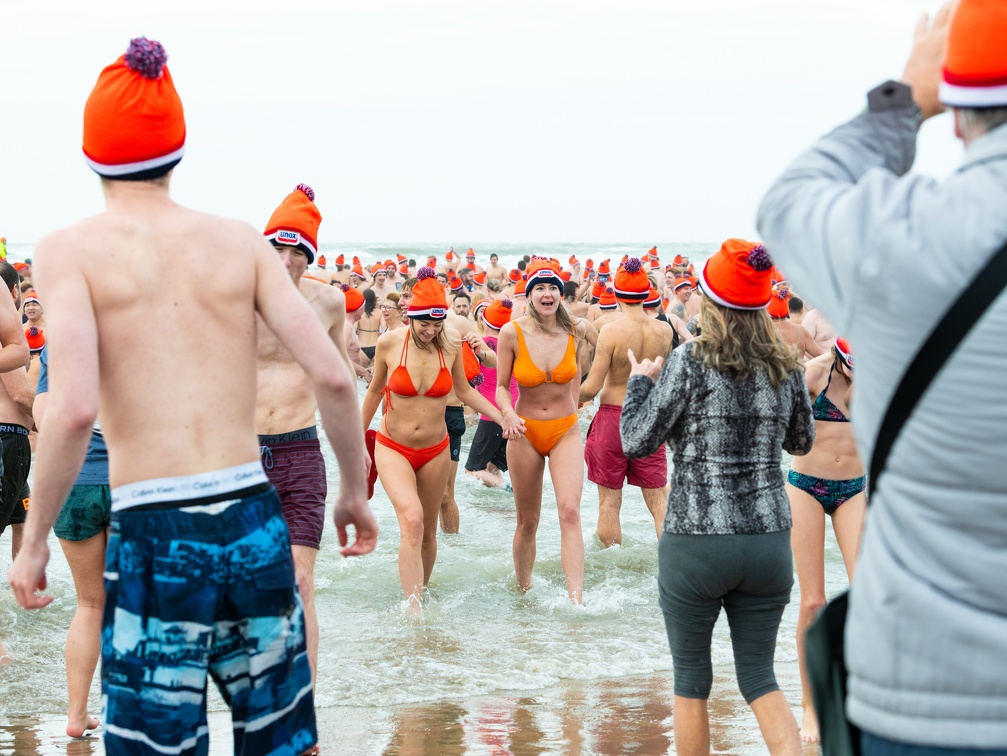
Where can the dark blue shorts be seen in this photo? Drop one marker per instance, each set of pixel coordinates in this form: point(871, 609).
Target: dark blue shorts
point(204, 589)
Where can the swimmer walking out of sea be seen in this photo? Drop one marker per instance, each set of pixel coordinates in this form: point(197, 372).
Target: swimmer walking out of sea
point(547, 408)
point(415, 369)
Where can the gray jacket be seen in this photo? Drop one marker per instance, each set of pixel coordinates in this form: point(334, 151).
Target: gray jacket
point(884, 253)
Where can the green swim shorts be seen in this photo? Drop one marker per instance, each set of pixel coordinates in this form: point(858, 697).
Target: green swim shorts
point(86, 512)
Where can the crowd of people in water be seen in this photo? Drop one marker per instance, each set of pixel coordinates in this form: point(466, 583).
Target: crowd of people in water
point(191, 519)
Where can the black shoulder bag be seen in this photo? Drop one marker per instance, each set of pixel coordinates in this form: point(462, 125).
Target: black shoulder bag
point(823, 645)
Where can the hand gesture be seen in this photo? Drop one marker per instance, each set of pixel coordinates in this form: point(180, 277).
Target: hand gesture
point(513, 425)
point(355, 512)
point(923, 69)
point(649, 368)
point(27, 576)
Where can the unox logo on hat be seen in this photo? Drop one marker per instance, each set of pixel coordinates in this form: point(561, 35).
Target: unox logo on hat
point(288, 237)
point(438, 312)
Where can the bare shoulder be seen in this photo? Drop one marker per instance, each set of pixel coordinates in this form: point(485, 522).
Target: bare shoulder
point(454, 337)
point(324, 299)
point(816, 370)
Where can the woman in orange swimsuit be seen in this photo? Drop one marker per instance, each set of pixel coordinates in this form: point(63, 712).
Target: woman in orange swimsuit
point(540, 350)
point(415, 368)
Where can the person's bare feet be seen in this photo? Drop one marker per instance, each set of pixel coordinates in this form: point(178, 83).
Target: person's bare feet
point(76, 728)
point(809, 726)
point(5, 657)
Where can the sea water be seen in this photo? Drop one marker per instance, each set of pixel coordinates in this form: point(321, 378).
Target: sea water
point(479, 636)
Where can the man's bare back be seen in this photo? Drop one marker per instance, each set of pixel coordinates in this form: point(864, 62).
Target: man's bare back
point(798, 339)
point(610, 369)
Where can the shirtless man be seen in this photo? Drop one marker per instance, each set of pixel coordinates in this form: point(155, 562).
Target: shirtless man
point(381, 287)
point(820, 329)
point(607, 466)
point(199, 570)
point(16, 397)
point(577, 307)
point(285, 405)
point(496, 271)
point(798, 338)
point(682, 293)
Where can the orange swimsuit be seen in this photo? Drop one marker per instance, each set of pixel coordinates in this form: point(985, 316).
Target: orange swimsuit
point(543, 434)
point(401, 384)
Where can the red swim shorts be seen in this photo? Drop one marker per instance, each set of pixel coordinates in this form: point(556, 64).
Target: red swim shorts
point(607, 465)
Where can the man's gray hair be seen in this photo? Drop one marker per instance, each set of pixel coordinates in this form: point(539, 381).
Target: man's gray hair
point(974, 122)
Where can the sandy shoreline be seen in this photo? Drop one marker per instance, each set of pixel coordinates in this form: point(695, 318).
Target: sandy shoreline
point(610, 716)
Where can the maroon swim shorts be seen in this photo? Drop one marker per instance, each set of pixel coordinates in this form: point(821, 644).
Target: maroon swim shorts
point(607, 465)
point(294, 465)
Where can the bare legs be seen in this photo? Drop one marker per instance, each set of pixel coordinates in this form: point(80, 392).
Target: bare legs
point(566, 467)
point(610, 505)
point(304, 569)
point(807, 540)
point(450, 521)
point(776, 722)
point(83, 640)
point(416, 497)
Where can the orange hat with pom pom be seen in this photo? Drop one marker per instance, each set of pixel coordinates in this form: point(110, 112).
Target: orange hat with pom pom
point(321, 261)
point(631, 282)
point(497, 315)
point(134, 127)
point(341, 260)
point(479, 279)
point(975, 63)
point(295, 222)
point(36, 339)
point(520, 288)
point(607, 301)
point(429, 301)
point(543, 271)
point(739, 276)
point(653, 299)
point(358, 272)
point(354, 299)
point(779, 305)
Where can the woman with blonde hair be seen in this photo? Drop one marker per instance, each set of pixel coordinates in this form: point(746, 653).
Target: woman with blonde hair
point(391, 314)
point(415, 369)
point(728, 403)
point(540, 351)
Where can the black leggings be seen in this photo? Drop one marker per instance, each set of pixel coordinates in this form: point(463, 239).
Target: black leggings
point(751, 576)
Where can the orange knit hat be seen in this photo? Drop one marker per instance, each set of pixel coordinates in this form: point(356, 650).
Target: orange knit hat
point(520, 288)
point(631, 282)
point(514, 276)
point(429, 301)
point(455, 284)
point(542, 271)
point(354, 299)
point(341, 260)
point(497, 315)
point(295, 222)
point(975, 64)
point(604, 269)
point(134, 127)
point(779, 305)
point(844, 352)
point(479, 279)
point(607, 301)
point(321, 261)
point(738, 276)
point(653, 299)
point(597, 290)
point(36, 339)
point(358, 272)
point(31, 296)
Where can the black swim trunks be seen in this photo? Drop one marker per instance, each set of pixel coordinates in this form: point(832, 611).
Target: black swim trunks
point(454, 418)
point(16, 464)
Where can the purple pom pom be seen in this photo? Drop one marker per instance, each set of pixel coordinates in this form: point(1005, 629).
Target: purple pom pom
point(759, 258)
point(146, 57)
point(477, 381)
point(425, 272)
point(506, 304)
point(632, 265)
point(33, 331)
point(307, 190)
point(344, 288)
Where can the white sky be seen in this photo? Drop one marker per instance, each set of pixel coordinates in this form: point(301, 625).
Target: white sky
point(493, 120)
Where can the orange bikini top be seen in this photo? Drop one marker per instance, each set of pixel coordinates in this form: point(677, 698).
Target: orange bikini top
point(528, 374)
point(400, 383)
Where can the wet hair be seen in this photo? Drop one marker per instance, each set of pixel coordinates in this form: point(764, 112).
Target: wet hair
point(462, 295)
point(411, 263)
point(10, 276)
point(796, 305)
point(370, 302)
point(522, 264)
point(740, 341)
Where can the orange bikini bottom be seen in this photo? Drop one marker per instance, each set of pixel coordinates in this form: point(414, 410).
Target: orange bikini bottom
point(543, 434)
point(416, 457)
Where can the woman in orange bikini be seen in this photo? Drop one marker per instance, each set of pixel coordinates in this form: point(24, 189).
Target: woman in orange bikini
point(415, 369)
point(540, 350)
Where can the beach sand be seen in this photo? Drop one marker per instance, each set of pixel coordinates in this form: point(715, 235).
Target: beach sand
point(612, 716)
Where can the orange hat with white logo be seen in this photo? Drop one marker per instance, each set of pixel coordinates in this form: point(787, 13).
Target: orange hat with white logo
point(295, 222)
point(542, 271)
point(739, 276)
point(429, 301)
point(134, 127)
point(975, 62)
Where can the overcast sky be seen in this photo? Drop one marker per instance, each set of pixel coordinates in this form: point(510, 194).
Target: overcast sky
point(492, 120)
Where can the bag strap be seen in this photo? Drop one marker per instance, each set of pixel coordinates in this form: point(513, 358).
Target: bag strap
point(934, 353)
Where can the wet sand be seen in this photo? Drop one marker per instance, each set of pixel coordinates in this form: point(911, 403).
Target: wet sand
point(614, 716)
